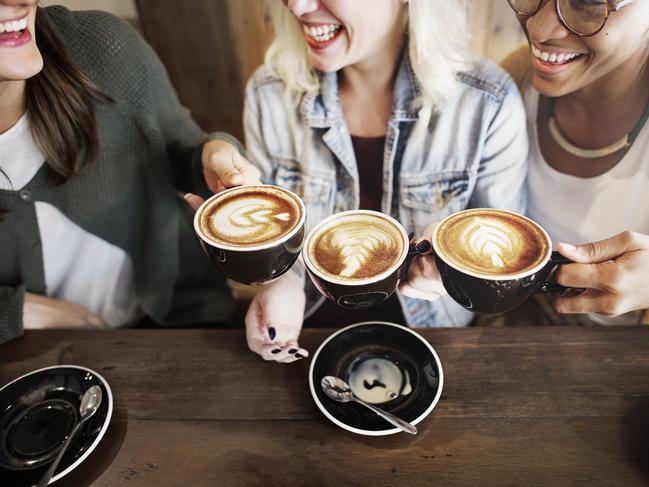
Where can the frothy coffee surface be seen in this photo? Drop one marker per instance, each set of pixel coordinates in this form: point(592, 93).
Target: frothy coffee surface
point(356, 246)
point(250, 216)
point(492, 242)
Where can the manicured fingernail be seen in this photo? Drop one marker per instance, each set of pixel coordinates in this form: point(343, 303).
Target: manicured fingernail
point(276, 351)
point(411, 235)
point(272, 333)
point(292, 350)
point(423, 246)
point(297, 355)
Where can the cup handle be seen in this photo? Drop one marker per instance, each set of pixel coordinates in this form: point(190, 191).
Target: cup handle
point(548, 287)
point(412, 253)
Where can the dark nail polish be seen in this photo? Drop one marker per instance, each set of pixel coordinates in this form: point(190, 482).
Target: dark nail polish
point(411, 235)
point(277, 350)
point(423, 246)
point(297, 355)
point(272, 333)
point(292, 350)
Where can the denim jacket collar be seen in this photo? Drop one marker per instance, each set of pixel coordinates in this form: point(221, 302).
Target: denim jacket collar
point(323, 109)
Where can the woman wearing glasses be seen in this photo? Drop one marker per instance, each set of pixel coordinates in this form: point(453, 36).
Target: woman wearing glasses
point(585, 81)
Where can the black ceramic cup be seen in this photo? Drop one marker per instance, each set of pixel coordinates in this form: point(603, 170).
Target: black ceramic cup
point(493, 294)
point(254, 263)
point(363, 293)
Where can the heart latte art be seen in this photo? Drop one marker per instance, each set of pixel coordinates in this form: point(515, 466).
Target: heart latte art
point(250, 216)
point(356, 246)
point(492, 242)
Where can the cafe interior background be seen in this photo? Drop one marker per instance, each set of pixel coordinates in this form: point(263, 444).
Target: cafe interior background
point(210, 61)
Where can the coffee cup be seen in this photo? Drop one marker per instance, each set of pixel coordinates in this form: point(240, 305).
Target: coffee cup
point(490, 260)
point(252, 234)
point(356, 258)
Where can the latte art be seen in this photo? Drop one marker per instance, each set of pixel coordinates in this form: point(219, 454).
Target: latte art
point(491, 242)
point(356, 246)
point(250, 216)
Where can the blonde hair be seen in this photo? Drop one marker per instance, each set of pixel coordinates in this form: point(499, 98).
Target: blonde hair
point(437, 40)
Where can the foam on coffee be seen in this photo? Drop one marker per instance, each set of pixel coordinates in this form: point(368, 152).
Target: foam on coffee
point(492, 242)
point(355, 246)
point(250, 216)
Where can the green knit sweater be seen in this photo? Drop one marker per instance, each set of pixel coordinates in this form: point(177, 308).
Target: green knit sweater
point(127, 196)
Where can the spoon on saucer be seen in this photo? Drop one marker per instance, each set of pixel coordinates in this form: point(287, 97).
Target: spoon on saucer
point(338, 390)
point(89, 404)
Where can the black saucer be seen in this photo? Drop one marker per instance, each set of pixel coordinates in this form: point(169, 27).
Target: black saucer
point(37, 412)
point(413, 355)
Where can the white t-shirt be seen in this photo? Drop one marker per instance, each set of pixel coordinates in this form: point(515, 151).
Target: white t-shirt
point(578, 210)
point(79, 266)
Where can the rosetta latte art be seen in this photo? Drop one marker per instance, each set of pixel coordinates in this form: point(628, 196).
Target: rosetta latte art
point(357, 247)
point(488, 241)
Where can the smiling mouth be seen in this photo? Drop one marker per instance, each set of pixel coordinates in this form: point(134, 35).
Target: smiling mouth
point(556, 59)
point(322, 33)
point(15, 27)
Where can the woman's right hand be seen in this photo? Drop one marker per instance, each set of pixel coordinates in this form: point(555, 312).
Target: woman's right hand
point(41, 312)
point(274, 320)
point(224, 167)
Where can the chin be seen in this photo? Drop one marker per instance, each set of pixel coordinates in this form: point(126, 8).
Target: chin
point(549, 88)
point(21, 70)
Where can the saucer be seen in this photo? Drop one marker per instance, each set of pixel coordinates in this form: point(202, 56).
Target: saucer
point(421, 375)
point(37, 412)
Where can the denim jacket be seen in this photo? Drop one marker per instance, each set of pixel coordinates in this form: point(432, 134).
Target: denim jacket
point(471, 155)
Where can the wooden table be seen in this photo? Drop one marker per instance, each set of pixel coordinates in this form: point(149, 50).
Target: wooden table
point(521, 406)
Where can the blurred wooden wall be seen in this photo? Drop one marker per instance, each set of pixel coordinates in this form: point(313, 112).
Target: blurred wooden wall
point(211, 47)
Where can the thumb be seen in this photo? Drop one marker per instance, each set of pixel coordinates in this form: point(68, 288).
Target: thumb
point(193, 200)
point(600, 251)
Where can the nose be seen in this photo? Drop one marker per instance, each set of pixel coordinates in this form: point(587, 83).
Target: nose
point(545, 25)
point(301, 7)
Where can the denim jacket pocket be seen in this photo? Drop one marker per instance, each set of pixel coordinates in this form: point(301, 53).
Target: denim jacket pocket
point(313, 186)
point(430, 197)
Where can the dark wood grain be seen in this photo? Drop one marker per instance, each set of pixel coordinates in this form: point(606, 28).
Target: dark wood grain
point(521, 406)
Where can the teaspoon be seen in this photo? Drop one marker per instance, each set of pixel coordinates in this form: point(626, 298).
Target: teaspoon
point(338, 390)
point(89, 404)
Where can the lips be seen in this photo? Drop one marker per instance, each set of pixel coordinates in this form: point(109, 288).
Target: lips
point(14, 33)
point(15, 39)
point(320, 36)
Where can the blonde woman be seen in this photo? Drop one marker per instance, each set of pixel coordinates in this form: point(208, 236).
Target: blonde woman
point(375, 104)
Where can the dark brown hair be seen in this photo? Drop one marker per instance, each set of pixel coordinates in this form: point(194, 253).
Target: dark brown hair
point(60, 106)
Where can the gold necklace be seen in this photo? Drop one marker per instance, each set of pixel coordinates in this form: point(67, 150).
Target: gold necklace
point(572, 149)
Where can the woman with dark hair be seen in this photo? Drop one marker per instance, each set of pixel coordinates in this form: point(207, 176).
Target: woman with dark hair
point(92, 143)
point(585, 81)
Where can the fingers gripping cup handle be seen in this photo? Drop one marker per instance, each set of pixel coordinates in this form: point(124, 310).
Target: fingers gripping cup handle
point(548, 287)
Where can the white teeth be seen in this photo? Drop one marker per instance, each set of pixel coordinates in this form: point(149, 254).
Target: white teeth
point(321, 33)
point(554, 57)
point(13, 25)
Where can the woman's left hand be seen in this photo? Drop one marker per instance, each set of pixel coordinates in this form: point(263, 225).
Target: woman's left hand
point(424, 281)
point(614, 273)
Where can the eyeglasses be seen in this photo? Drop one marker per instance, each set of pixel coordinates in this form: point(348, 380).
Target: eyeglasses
point(582, 17)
